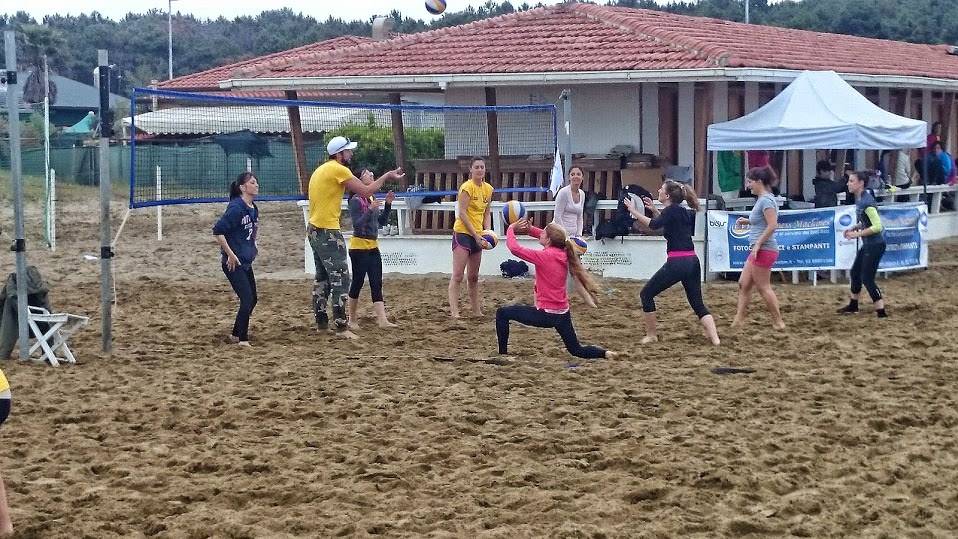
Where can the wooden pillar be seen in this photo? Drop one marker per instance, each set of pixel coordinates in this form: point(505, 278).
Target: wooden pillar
point(686, 128)
point(493, 128)
point(926, 108)
point(299, 150)
point(399, 136)
point(946, 115)
point(650, 118)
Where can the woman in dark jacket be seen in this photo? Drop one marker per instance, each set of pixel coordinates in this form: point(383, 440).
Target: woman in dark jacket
point(368, 214)
point(236, 233)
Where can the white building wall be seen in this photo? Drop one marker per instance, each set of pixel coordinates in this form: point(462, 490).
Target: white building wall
point(603, 116)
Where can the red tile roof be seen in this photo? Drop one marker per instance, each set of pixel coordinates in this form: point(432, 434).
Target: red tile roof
point(208, 80)
point(586, 37)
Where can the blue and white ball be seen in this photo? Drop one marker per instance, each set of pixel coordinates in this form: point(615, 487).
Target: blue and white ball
point(491, 238)
point(513, 211)
point(579, 245)
point(436, 7)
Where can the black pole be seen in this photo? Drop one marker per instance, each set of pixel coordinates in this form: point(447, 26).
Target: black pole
point(106, 249)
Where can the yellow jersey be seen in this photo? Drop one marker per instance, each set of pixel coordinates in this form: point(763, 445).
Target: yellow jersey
point(4, 385)
point(326, 188)
point(356, 243)
point(480, 196)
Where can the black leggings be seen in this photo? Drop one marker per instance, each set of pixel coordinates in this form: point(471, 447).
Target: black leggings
point(366, 262)
point(865, 268)
point(244, 284)
point(530, 316)
point(681, 268)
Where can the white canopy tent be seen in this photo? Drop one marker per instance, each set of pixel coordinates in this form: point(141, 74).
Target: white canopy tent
point(818, 110)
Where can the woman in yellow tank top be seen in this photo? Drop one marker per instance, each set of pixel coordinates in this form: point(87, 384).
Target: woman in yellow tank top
point(475, 197)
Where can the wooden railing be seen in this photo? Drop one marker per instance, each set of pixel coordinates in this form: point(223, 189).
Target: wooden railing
point(601, 176)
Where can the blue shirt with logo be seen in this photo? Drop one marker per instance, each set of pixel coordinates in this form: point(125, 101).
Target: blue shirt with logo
point(239, 224)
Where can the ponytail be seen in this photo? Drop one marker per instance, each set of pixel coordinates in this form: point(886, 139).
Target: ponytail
point(244, 177)
point(690, 197)
point(678, 191)
point(579, 273)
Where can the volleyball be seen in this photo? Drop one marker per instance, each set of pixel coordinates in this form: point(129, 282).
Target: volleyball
point(491, 238)
point(513, 211)
point(579, 245)
point(435, 7)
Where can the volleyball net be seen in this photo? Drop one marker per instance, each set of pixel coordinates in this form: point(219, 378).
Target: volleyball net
point(187, 147)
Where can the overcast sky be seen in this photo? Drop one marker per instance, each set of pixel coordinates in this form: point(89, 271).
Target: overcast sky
point(319, 9)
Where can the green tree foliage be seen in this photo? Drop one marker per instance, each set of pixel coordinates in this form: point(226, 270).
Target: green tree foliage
point(137, 42)
point(376, 150)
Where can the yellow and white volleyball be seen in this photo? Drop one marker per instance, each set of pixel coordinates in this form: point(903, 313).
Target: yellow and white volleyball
point(512, 211)
point(579, 245)
point(436, 7)
point(491, 238)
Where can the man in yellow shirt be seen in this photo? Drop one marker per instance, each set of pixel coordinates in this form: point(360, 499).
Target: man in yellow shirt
point(326, 188)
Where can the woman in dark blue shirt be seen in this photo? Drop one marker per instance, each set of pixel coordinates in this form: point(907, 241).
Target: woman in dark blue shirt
point(236, 234)
point(682, 264)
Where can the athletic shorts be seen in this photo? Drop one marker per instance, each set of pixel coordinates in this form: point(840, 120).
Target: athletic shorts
point(465, 241)
point(4, 409)
point(765, 258)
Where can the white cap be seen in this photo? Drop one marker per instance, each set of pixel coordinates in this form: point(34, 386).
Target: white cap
point(338, 144)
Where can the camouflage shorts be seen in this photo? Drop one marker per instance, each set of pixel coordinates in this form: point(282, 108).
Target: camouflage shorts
point(332, 275)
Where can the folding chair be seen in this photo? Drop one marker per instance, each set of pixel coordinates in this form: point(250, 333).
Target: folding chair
point(60, 327)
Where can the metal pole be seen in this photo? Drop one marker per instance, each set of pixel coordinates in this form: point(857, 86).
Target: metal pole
point(169, 33)
point(19, 244)
point(746, 11)
point(159, 207)
point(53, 210)
point(46, 141)
point(567, 121)
point(106, 252)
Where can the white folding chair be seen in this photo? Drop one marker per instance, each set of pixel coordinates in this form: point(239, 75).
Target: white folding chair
point(60, 327)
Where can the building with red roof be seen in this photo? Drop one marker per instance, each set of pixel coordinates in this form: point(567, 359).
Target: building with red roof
point(641, 78)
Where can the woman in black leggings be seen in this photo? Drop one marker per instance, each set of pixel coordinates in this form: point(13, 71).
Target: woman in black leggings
point(368, 215)
point(682, 265)
point(869, 230)
point(236, 233)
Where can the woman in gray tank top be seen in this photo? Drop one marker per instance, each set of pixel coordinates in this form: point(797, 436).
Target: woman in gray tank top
point(757, 272)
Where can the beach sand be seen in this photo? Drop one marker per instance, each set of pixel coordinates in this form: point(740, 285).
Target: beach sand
point(847, 427)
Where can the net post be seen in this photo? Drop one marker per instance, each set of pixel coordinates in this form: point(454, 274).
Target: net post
point(106, 251)
point(492, 119)
point(296, 134)
point(16, 178)
point(399, 135)
point(52, 224)
point(159, 208)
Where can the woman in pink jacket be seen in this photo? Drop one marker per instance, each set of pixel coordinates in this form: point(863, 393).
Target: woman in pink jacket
point(553, 262)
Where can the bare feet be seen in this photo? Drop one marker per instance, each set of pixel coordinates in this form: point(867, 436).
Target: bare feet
point(454, 315)
point(244, 343)
point(780, 325)
point(353, 325)
point(384, 323)
point(477, 314)
point(737, 323)
point(649, 339)
point(609, 354)
point(6, 530)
